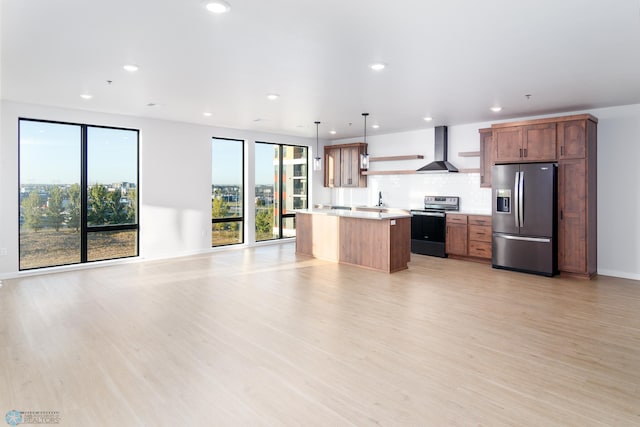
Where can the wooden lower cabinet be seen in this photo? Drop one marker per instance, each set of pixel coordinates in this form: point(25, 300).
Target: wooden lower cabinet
point(456, 238)
point(469, 236)
point(479, 236)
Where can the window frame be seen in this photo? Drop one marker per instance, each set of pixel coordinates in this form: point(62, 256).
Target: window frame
point(281, 216)
point(84, 228)
point(242, 217)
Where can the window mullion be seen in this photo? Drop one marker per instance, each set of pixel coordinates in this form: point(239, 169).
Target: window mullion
point(84, 196)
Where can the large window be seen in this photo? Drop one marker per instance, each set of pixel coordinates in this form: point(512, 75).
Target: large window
point(78, 193)
point(227, 195)
point(281, 186)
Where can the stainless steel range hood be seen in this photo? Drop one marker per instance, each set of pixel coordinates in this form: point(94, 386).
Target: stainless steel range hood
point(440, 163)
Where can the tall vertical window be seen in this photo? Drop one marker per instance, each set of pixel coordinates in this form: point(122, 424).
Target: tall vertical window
point(78, 193)
point(281, 186)
point(227, 191)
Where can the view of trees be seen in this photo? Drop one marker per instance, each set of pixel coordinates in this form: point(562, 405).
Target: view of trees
point(219, 209)
point(62, 208)
point(264, 223)
point(32, 206)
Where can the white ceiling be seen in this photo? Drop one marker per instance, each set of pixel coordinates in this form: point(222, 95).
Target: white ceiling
point(448, 59)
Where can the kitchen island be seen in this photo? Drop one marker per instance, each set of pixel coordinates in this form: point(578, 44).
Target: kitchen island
point(375, 240)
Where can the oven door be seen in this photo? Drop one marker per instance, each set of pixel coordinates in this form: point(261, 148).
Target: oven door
point(428, 231)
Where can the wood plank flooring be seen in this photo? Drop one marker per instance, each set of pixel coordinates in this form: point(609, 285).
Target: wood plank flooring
point(264, 337)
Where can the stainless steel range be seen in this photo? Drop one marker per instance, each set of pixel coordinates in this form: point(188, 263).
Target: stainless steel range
point(429, 225)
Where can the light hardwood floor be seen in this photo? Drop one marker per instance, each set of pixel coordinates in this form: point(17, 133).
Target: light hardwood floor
point(263, 337)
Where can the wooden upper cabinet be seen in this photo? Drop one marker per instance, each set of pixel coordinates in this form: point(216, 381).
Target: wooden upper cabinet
point(507, 143)
point(539, 143)
point(486, 156)
point(530, 143)
point(350, 167)
point(572, 140)
point(332, 166)
point(342, 165)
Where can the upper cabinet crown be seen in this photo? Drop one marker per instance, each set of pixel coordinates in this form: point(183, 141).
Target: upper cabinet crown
point(342, 165)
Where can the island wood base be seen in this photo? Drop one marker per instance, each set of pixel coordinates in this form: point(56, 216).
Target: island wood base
point(378, 244)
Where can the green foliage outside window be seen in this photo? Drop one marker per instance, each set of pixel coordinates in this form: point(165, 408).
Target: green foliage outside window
point(73, 211)
point(264, 223)
point(55, 211)
point(32, 207)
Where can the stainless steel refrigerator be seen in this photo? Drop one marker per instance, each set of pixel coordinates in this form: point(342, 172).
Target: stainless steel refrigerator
point(524, 218)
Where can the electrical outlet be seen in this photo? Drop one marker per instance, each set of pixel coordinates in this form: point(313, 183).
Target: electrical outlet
point(3, 251)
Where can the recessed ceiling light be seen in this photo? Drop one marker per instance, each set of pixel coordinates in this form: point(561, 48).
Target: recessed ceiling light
point(218, 6)
point(86, 96)
point(130, 68)
point(273, 96)
point(428, 119)
point(332, 132)
point(375, 126)
point(207, 114)
point(152, 104)
point(496, 109)
point(378, 66)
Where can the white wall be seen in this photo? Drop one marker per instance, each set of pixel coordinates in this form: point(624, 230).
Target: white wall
point(618, 180)
point(175, 178)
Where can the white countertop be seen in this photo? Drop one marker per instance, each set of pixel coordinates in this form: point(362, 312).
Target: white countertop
point(356, 213)
point(473, 212)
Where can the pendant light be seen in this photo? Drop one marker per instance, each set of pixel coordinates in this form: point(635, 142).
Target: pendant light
point(364, 157)
point(317, 160)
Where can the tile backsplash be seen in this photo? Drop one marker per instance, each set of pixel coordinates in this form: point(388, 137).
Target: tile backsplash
point(408, 191)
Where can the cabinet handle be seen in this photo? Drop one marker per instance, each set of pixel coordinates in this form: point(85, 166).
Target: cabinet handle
point(562, 150)
point(521, 152)
point(561, 215)
point(525, 152)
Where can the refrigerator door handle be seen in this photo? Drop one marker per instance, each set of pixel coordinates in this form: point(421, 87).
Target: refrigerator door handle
point(521, 200)
point(526, 239)
point(516, 197)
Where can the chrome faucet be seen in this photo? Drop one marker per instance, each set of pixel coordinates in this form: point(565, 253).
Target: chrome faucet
point(379, 199)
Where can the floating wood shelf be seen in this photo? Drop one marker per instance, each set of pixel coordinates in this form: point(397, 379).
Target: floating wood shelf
point(469, 154)
point(391, 158)
point(469, 170)
point(397, 172)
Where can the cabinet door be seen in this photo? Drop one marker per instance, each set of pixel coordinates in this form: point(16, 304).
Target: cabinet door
point(486, 157)
point(332, 168)
point(539, 143)
point(508, 144)
point(572, 140)
point(350, 167)
point(456, 241)
point(572, 229)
